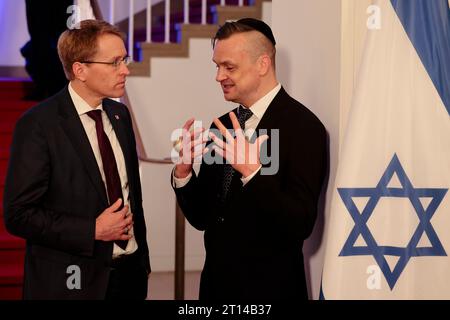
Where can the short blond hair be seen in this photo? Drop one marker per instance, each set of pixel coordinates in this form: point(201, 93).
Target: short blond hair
point(80, 43)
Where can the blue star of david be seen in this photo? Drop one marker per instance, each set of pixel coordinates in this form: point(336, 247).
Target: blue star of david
point(375, 194)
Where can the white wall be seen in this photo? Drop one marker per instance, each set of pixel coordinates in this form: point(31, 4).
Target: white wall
point(309, 67)
point(13, 32)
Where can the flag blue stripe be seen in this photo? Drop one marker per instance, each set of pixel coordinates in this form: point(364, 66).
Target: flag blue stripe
point(427, 24)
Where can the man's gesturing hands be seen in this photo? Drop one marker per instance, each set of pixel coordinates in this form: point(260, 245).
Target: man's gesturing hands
point(240, 153)
point(236, 150)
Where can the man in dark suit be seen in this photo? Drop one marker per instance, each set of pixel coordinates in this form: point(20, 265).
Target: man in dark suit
point(255, 214)
point(73, 189)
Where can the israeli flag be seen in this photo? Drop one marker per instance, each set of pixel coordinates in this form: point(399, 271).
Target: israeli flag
point(388, 235)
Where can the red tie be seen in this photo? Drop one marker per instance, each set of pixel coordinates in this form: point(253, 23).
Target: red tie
point(113, 184)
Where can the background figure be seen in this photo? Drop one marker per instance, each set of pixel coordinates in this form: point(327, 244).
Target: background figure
point(46, 20)
point(255, 221)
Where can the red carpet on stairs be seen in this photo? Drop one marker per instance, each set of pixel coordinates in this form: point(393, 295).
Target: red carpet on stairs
point(12, 249)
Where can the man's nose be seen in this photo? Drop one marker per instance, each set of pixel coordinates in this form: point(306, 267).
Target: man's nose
point(124, 69)
point(220, 76)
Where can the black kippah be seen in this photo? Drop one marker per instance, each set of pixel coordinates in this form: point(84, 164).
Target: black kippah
point(259, 26)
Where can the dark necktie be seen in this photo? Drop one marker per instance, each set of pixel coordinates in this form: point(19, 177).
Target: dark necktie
point(243, 115)
point(113, 185)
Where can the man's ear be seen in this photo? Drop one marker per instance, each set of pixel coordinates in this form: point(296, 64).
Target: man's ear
point(264, 64)
point(79, 71)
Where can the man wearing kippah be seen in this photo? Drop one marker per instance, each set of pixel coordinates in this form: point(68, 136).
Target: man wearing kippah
point(255, 214)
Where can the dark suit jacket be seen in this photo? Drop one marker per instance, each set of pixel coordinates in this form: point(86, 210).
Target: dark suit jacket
point(54, 193)
point(254, 241)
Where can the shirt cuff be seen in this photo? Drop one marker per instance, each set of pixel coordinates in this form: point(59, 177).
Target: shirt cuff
point(180, 182)
point(247, 179)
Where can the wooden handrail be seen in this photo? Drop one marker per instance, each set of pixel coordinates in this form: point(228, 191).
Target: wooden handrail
point(154, 160)
point(179, 217)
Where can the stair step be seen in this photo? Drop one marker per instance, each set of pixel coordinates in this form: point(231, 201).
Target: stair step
point(15, 105)
point(9, 244)
point(4, 154)
point(3, 169)
point(5, 140)
point(6, 127)
point(15, 83)
point(195, 17)
point(11, 266)
point(14, 89)
point(158, 32)
point(11, 274)
point(12, 248)
point(1, 204)
point(11, 292)
point(2, 185)
point(12, 256)
point(13, 94)
point(8, 241)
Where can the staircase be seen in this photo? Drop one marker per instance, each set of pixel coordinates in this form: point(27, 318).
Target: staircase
point(12, 249)
point(176, 18)
point(180, 33)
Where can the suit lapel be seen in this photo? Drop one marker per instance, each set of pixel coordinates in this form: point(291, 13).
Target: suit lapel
point(271, 122)
point(272, 114)
point(71, 124)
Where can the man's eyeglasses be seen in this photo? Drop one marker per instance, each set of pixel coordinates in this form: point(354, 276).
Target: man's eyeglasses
point(116, 63)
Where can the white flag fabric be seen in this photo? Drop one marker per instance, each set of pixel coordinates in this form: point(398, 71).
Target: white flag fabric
point(388, 235)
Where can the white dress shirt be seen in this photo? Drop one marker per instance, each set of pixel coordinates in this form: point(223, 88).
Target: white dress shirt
point(82, 108)
point(258, 109)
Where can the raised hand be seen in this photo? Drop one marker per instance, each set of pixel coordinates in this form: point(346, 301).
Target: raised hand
point(192, 147)
point(240, 153)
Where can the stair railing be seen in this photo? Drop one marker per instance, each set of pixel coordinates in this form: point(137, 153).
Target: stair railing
point(149, 19)
point(179, 216)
